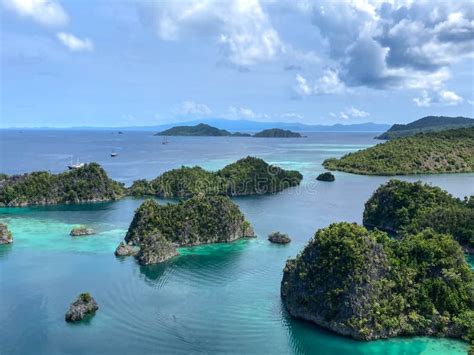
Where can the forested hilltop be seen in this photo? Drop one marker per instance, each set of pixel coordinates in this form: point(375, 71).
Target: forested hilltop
point(87, 184)
point(247, 176)
point(426, 124)
point(367, 285)
point(157, 230)
point(400, 207)
point(206, 130)
point(201, 129)
point(450, 151)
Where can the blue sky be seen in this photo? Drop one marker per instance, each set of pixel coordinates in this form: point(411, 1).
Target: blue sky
point(119, 63)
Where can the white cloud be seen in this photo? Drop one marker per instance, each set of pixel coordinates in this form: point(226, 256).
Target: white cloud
point(329, 83)
point(75, 44)
point(193, 108)
point(291, 116)
point(241, 27)
point(350, 112)
point(244, 113)
point(395, 44)
point(440, 97)
point(45, 12)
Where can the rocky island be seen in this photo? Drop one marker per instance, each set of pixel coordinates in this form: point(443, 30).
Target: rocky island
point(6, 236)
point(327, 176)
point(400, 207)
point(247, 176)
point(85, 305)
point(366, 285)
point(279, 238)
point(425, 125)
point(81, 231)
point(89, 183)
point(277, 133)
point(157, 230)
point(450, 151)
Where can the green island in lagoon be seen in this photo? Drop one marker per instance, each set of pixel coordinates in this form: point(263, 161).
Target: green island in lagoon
point(238, 177)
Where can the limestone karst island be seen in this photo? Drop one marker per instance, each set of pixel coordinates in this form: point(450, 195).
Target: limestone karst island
point(237, 177)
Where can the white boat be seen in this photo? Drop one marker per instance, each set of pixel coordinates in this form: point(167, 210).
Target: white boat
point(113, 154)
point(75, 166)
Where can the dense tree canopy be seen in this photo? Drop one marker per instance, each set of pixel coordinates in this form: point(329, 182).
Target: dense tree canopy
point(367, 285)
point(399, 207)
point(441, 152)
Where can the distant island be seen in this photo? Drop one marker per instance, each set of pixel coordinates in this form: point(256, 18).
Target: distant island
point(277, 133)
point(400, 207)
point(247, 176)
point(200, 129)
point(450, 151)
point(366, 285)
point(156, 231)
point(87, 184)
point(206, 130)
point(426, 124)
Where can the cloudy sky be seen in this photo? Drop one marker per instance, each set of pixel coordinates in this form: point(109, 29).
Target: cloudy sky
point(119, 63)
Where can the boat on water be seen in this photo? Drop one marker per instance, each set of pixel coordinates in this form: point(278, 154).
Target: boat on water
point(76, 166)
point(113, 154)
point(165, 141)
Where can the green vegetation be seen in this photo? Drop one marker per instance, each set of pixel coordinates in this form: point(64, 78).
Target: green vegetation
point(449, 151)
point(327, 176)
point(158, 229)
point(85, 297)
point(277, 133)
point(367, 285)
point(247, 176)
point(201, 129)
point(87, 184)
point(403, 207)
point(253, 176)
point(426, 124)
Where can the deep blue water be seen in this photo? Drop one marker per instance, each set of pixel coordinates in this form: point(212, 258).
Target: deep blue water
point(211, 299)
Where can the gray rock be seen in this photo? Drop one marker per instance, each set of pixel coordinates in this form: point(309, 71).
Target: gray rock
point(81, 231)
point(126, 250)
point(279, 238)
point(155, 249)
point(83, 306)
point(5, 235)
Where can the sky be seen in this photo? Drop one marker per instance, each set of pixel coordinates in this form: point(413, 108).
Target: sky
point(140, 63)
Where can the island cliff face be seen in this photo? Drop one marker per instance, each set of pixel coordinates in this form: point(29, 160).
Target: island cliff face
point(368, 286)
point(247, 176)
point(87, 184)
point(401, 207)
point(158, 229)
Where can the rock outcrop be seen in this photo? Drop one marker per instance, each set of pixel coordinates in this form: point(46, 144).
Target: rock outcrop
point(124, 249)
point(84, 305)
point(279, 238)
point(157, 230)
point(365, 285)
point(327, 176)
point(81, 231)
point(156, 249)
point(5, 235)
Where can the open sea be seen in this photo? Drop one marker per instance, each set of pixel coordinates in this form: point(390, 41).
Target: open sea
point(222, 298)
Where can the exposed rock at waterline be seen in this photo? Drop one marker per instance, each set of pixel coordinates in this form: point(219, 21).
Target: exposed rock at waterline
point(279, 238)
point(5, 235)
point(83, 306)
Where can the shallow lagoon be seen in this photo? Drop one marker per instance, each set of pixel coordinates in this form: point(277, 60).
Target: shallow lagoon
point(217, 298)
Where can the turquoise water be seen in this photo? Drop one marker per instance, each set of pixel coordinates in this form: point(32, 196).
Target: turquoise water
point(211, 299)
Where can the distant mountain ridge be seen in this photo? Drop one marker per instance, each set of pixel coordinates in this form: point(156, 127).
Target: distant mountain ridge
point(241, 126)
point(426, 124)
